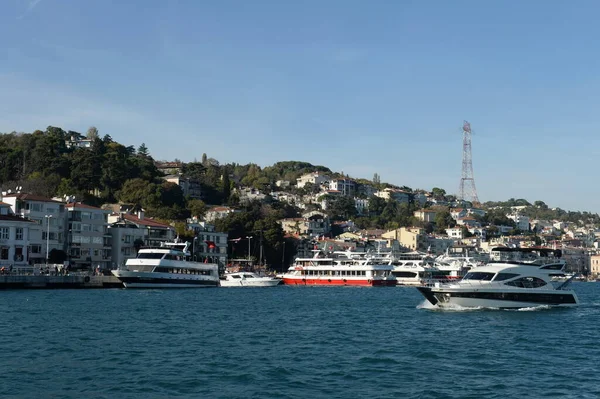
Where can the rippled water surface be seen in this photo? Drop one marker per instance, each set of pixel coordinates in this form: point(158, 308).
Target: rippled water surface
point(290, 342)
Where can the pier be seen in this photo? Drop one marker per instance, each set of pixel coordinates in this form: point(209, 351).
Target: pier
point(50, 282)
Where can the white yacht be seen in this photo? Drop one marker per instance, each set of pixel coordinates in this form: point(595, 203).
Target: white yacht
point(248, 279)
point(514, 278)
point(412, 268)
point(167, 266)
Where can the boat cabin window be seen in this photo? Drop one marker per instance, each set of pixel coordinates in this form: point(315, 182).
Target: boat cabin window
point(248, 276)
point(235, 276)
point(405, 274)
point(505, 276)
point(555, 266)
point(173, 257)
point(527, 282)
point(176, 270)
point(482, 276)
point(150, 255)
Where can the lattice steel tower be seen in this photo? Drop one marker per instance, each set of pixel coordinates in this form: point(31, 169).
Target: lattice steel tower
point(467, 190)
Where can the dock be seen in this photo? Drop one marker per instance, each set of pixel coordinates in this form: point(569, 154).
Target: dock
point(50, 282)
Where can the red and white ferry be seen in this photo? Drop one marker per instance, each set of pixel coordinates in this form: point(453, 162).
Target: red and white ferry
point(330, 270)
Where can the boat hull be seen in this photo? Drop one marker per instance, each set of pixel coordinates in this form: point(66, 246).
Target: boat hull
point(340, 282)
point(499, 299)
point(246, 283)
point(163, 280)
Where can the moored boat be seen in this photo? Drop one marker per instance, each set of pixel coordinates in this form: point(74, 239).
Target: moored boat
point(248, 279)
point(167, 266)
point(341, 271)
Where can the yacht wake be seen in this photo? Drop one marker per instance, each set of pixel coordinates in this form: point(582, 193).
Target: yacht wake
point(531, 308)
point(451, 308)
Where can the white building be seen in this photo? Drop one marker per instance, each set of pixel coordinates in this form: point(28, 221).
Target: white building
point(425, 215)
point(14, 239)
point(126, 238)
point(455, 232)
point(315, 178)
point(345, 187)
point(362, 205)
point(209, 244)
point(394, 194)
point(49, 231)
point(155, 232)
point(521, 221)
point(89, 243)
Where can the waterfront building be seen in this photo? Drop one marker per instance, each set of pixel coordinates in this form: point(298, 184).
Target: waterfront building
point(209, 245)
point(594, 266)
point(89, 244)
point(48, 232)
point(126, 238)
point(155, 232)
point(14, 239)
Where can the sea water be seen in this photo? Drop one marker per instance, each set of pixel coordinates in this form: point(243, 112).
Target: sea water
point(291, 342)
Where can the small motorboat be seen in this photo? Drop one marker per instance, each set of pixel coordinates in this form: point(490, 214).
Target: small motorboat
point(248, 279)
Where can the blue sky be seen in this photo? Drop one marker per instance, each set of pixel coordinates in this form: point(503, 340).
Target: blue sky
point(361, 87)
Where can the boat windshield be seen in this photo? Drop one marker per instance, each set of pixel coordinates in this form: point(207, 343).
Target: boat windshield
point(150, 255)
point(505, 276)
point(483, 276)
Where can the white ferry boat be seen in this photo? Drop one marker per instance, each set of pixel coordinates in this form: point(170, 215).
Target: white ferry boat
point(167, 266)
point(329, 270)
point(514, 278)
point(248, 279)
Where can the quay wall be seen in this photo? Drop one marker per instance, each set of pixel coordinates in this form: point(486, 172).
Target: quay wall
point(47, 282)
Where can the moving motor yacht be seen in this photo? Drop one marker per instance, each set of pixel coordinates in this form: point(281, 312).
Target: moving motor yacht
point(514, 278)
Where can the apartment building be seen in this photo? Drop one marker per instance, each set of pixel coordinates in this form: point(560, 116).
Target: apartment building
point(89, 243)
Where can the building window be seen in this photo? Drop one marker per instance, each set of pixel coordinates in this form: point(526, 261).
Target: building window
point(35, 249)
point(4, 253)
point(4, 233)
point(19, 236)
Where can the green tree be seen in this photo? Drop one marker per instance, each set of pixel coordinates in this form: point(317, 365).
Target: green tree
point(443, 220)
point(376, 205)
point(341, 208)
point(438, 193)
point(197, 208)
point(143, 150)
